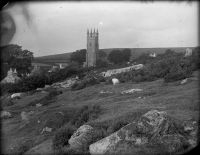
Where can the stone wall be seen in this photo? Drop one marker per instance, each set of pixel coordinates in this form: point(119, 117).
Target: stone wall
point(121, 70)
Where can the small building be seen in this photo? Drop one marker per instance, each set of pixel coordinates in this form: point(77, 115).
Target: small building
point(11, 77)
point(153, 55)
point(54, 69)
point(62, 65)
point(188, 52)
point(42, 66)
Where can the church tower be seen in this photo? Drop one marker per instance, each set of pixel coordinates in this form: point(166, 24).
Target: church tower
point(92, 48)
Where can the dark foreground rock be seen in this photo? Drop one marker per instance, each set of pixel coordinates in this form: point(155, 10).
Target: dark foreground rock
point(155, 132)
point(43, 148)
point(82, 138)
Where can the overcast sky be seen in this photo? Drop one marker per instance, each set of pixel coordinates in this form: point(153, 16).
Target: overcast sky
point(60, 27)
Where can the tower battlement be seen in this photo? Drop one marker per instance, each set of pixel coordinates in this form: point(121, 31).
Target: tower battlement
point(92, 34)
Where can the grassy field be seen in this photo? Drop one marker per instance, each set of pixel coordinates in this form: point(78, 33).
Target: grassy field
point(179, 101)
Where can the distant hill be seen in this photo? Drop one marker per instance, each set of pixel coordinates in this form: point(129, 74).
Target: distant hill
point(135, 52)
point(51, 59)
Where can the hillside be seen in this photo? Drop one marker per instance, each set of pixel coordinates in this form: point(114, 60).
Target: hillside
point(135, 52)
point(179, 101)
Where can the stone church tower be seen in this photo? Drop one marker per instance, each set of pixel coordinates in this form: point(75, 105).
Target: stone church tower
point(92, 48)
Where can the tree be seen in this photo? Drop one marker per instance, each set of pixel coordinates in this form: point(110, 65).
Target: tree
point(101, 54)
point(126, 54)
point(15, 57)
point(119, 57)
point(79, 56)
point(101, 63)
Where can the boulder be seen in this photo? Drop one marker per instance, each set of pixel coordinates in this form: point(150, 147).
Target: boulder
point(82, 138)
point(47, 86)
point(154, 127)
point(17, 95)
point(131, 91)
point(184, 81)
point(25, 116)
point(38, 105)
point(105, 92)
point(5, 114)
point(115, 81)
point(46, 129)
point(39, 89)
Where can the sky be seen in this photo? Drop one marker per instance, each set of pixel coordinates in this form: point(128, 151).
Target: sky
point(47, 28)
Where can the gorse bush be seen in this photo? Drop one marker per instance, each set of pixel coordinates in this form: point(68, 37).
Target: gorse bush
point(88, 80)
point(49, 98)
point(178, 72)
point(62, 136)
point(85, 114)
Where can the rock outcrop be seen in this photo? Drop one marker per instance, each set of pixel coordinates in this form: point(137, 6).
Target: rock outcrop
point(65, 84)
point(82, 138)
point(115, 81)
point(131, 91)
point(17, 95)
point(5, 114)
point(154, 127)
point(108, 73)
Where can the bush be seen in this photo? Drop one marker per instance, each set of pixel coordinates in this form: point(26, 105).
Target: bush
point(49, 98)
point(85, 114)
point(22, 147)
point(178, 72)
point(78, 85)
point(88, 80)
point(62, 136)
point(7, 102)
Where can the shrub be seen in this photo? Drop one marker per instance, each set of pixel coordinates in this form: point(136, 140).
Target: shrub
point(22, 147)
point(178, 72)
point(78, 85)
point(88, 80)
point(49, 98)
point(7, 102)
point(84, 114)
point(62, 136)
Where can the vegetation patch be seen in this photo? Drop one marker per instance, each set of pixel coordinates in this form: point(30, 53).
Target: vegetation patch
point(85, 114)
point(49, 98)
point(170, 65)
point(62, 136)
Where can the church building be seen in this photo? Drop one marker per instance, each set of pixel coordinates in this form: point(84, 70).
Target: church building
point(92, 48)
